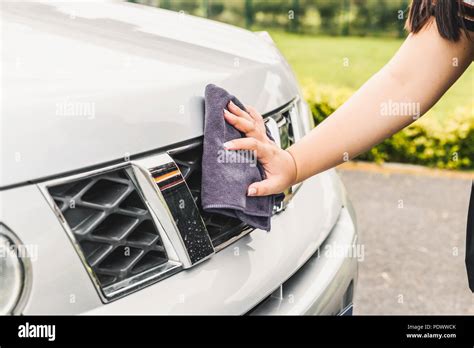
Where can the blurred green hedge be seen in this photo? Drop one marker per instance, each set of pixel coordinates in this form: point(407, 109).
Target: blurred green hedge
point(429, 142)
point(328, 17)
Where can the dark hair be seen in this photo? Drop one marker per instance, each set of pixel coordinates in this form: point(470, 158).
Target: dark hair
point(448, 14)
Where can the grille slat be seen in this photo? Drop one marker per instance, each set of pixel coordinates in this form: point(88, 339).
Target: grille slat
point(112, 225)
point(83, 219)
point(105, 193)
point(95, 252)
point(120, 261)
point(143, 235)
point(115, 227)
point(147, 261)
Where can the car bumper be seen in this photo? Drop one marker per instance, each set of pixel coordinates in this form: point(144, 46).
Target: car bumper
point(325, 284)
point(242, 278)
point(259, 279)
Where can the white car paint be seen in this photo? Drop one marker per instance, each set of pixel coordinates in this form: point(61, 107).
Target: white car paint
point(144, 71)
point(141, 70)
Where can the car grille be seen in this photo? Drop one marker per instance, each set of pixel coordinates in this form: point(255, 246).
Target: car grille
point(221, 228)
point(112, 226)
point(113, 231)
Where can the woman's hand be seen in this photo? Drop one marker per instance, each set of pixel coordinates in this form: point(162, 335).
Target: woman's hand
point(279, 165)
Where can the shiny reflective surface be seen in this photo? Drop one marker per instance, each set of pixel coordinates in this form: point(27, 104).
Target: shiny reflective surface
point(15, 272)
point(320, 286)
point(238, 277)
point(285, 125)
point(11, 276)
point(133, 77)
point(185, 213)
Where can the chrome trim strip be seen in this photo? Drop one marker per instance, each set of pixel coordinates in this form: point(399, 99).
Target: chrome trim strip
point(141, 280)
point(282, 109)
point(281, 121)
point(274, 129)
point(185, 226)
point(233, 239)
point(186, 147)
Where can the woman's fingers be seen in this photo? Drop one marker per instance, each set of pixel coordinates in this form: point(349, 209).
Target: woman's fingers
point(262, 150)
point(243, 144)
point(264, 153)
point(249, 114)
point(259, 123)
point(242, 124)
point(238, 111)
point(254, 114)
point(250, 123)
point(261, 188)
point(278, 165)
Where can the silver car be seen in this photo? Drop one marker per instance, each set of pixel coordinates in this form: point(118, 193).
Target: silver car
point(101, 142)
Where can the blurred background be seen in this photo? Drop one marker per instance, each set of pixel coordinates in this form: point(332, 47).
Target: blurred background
point(412, 219)
point(344, 17)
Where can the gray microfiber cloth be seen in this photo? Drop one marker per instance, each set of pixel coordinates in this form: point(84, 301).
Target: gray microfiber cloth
point(227, 174)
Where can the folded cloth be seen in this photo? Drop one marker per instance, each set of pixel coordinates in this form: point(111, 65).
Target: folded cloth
point(227, 174)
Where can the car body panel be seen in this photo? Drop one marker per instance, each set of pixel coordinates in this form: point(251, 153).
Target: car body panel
point(324, 284)
point(231, 282)
point(142, 73)
point(98, 82)
point(60, 284)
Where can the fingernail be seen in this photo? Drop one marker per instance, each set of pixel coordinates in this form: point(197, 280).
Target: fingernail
point(228, 144)
point(252, 191)
point(231, 103)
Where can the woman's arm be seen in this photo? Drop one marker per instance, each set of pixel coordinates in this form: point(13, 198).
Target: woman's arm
point(422, 70)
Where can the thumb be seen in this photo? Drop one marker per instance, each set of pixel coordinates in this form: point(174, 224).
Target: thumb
point(261, 188)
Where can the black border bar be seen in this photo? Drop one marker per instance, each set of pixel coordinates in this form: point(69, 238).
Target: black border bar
point(290, 330)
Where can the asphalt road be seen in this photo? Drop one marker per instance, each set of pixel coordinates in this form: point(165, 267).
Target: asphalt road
point(413, 230)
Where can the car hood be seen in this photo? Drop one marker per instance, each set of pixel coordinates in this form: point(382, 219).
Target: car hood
point(89, 83)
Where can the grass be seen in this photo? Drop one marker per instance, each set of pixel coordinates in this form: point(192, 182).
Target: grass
point(322, 59)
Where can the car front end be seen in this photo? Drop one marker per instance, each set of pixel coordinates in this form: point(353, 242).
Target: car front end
point(102, 126)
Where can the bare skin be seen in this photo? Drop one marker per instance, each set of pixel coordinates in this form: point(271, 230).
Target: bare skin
point(423, 69)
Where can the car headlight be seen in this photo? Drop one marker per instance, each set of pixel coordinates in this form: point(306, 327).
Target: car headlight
point(12, 272)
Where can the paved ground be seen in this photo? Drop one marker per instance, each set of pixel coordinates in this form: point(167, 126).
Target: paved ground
point(413, 230)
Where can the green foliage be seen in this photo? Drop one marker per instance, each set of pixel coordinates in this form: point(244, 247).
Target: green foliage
point(188, 6)
point(317, 59)
point(448, 145)
point(330, 17)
